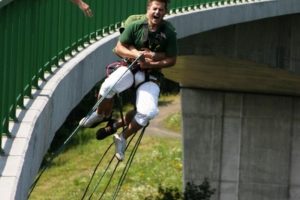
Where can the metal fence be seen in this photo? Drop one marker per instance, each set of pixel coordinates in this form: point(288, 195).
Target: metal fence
point(35, 35)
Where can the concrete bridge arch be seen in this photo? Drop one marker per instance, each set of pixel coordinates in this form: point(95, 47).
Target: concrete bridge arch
point(241, 130)
point(35, 131)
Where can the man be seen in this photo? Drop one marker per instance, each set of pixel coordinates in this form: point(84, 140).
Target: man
point(84, 7)
point(154, 41)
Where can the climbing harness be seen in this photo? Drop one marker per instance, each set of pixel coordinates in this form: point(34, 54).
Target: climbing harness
point(110, 89)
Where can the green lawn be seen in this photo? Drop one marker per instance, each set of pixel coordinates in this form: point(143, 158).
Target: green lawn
point(173, 122)
point(158, 161)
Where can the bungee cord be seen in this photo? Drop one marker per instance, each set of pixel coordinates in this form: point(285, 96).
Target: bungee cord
point(120, 105)
point(132, 152)
point(94, 172)
point(128, 164)
point(105, 171)
point(62, 147)
point(102, 176)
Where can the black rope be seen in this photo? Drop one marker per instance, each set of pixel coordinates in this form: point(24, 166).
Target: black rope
point(103, 174)
point(47, 164)
point(109, 181)
point(99, 181)
point(120, 104)
point(76, 129)
point(128, 164)
point(115, 169)
point(60, 149)
point(94, 172)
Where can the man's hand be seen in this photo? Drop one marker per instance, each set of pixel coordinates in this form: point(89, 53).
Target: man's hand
point(144, 62)
point(84, 7)
point(154, 56)
point(141, 57)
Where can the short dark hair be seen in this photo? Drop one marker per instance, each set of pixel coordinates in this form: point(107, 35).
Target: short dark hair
point(163, 1)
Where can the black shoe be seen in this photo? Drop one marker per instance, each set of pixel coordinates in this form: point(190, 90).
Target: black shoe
point(106, 131)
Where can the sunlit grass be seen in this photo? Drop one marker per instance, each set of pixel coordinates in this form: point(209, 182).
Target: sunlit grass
point(173, 122)
point(158, 161)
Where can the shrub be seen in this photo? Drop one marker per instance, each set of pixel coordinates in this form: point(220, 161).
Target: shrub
point(199, 192)
point(192, 192)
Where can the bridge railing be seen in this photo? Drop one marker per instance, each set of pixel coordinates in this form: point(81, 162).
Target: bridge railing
point(36, 36)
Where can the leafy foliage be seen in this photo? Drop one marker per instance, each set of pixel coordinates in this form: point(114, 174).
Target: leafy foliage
point(201, 192)
point(192, 192)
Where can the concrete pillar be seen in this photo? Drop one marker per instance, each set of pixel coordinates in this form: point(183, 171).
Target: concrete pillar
point(246, 144)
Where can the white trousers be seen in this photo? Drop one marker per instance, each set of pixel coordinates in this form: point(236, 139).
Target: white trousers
point(147, 93)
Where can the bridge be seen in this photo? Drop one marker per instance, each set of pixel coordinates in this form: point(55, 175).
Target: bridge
point(238, 69)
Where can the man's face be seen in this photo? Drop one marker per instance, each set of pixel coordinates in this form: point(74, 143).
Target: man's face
point(155, 12)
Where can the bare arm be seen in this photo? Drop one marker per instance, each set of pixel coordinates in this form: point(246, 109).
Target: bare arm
point(84, 7)
point(166, 62)
point(125, 51)
point(154, 56)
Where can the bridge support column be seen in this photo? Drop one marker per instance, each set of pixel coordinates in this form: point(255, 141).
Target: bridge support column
point(248, 145)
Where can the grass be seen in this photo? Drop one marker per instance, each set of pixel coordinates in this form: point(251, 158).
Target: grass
point(173, 122)
point(158, 161)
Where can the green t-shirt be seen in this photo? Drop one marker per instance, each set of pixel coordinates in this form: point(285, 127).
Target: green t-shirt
point(162, 40)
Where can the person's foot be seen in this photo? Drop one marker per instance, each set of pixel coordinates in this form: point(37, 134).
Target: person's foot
point(120, 144)
point(91, 121)
point(106, 131)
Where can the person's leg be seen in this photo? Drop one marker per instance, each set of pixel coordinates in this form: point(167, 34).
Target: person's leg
point(113, 125)
point(105, 108)
point(117, 82)
point(147, 109)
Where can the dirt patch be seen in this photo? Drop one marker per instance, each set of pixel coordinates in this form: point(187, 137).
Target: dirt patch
point(156, 125)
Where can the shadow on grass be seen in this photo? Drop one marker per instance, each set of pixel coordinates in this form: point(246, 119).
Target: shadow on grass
point(192, 192)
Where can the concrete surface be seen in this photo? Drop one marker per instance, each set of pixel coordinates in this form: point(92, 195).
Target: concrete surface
point(62, 92)
point(4, 2)
point(246, 144)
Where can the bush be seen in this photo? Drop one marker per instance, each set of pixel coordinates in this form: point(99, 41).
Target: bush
point(199, 192)
point(192, 192)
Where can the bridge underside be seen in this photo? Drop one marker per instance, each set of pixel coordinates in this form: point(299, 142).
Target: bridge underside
point(220, 73)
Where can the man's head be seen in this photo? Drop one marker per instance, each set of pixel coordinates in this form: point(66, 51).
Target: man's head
point(166, 2)
point(156, 10)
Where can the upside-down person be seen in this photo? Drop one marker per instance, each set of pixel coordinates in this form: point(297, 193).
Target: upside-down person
point(154, 41)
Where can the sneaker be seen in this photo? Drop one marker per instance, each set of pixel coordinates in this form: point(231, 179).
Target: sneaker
point(106, 131)
point(120, 144)
point(91, 121)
